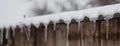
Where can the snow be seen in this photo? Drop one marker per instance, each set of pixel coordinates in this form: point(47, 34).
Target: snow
point(92, 13)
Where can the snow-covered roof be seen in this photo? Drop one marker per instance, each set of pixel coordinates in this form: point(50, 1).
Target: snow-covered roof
point(92, 13)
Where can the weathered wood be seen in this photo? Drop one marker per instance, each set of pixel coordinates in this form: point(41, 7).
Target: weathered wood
point(112, 32)
point(73, 34)
point(60, 34)
point(17, 39)
point(50, 35)
point(41, 36)
point(88, 30)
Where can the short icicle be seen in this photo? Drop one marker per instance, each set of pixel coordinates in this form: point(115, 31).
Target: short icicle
point(78, 26)
point(54, 26)
point(67, 43)
point(13, 32)
point(45, 32)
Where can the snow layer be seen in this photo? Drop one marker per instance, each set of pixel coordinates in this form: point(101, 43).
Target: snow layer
point(93, 13)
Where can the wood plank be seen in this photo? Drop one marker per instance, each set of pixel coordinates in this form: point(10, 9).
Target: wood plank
point(73, 34)
point(112, 32)
point(18, 35)
point(10, 37)
point(4, 43)
point(33, 36)
point(60, 32)
point(88, 30)
point(51, 35)
point(101, 28)
point(25, 38)
point(41, 36)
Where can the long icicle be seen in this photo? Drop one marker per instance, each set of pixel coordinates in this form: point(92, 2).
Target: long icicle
point(29, 32)
point(67, 43)
point(22, 36)
point(7, 33)
point(107, 29)
point(78, 31)
point(45, 32)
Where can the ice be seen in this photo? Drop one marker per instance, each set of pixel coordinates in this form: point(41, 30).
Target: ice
point(94, 26)
point(45, 32)
point(107, 29)
point(54, 26)
point(7, 30)
point(67, 44)
point(29, 32)
point(22, 36)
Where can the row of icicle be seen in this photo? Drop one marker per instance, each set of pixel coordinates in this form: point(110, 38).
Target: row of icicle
point(67, 43)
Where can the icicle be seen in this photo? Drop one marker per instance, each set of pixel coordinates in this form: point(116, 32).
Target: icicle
point(13, 32)
point(107, 29)
point(67, 44)
point(78, 31)
point(45, 32)
point(7, 33)
point(21, 36)
point(94, 26)
point(82, 41)
point(54, 26)
point(78, 26)
point(28, 32)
